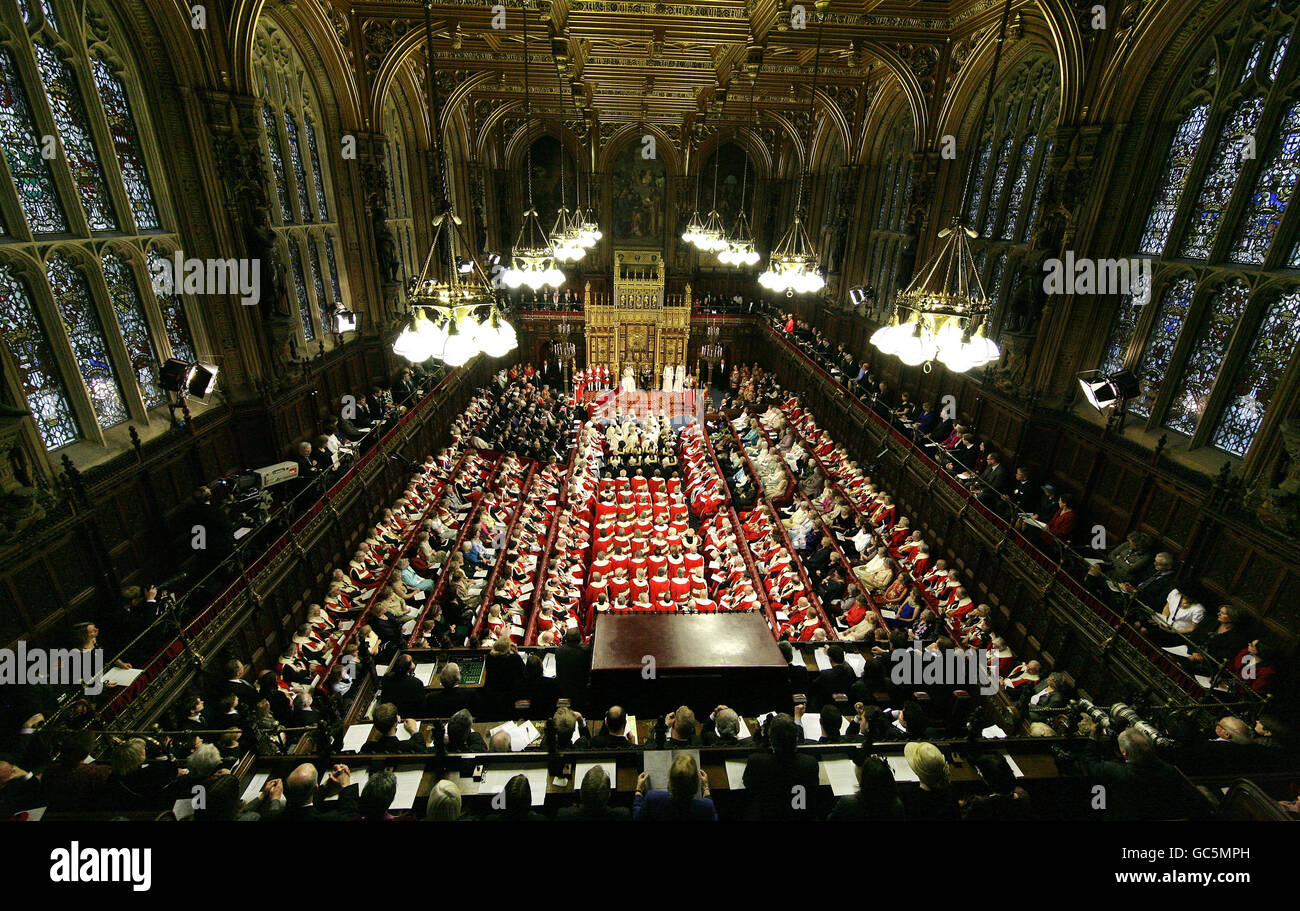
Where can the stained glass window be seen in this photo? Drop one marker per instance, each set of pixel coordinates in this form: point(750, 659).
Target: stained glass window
point(175, 323)
point(1039, 183)
point(277, 163)
point(1221, 178)
point(882, 216)
point(86, 335)
point(892, 210)
point(1257, 379)
point(992, 210)
point(1016, 199)
point(334, 269)
point(1193, 391)
point(21, 146)
point(318, 279)
point(1253, 61)
point(1121, 335)
point(74, 133)
point(1272, 193)
point(1160, 343)
point(318, 177)
point(300, 286)
point(1278, 53)
point(907, 196)
point(1182, 150)
point(977, 186)
point(28, 343)
point(126, 142)
point(994, 290)
point(124, 295)
point(295, 156)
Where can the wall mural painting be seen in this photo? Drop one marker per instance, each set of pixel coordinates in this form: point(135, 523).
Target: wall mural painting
point(546, 179)
point(731, 178)
point(638, 187)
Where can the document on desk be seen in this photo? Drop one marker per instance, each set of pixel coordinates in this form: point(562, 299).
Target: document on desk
point(356, 736)
point(424, 672)
point(856, 661)
point(1033, 520)
point(548, 665)
point(743, 733)
point(823, 659)
point(797, 660)
point(812, 725)
point(631, 729)
point(255, 785)
point(495, 779)
point(736, 773)
point(1093, 560)
point(902, 771)
point(889, 614)
point(657, 763)
point(840, 774)
point(408, 786)
point(993, 732)
point(1178, 650)
point(521, 735)
point(1019, 773)
point(580, 770)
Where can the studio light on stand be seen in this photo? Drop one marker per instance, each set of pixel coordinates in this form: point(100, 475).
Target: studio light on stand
point(1109, 390)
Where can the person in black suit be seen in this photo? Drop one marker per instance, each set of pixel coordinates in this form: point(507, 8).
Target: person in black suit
point(503, 675)
point(876, 797)
point(594, 806)
point(838, 678)
point(301, 790)
point(386, 720)
point(818, 563)
point(772, 777)
point(537, 688)
point(402, 688)
point(572, 668)
point(993, 480)
point(461, 736)
point(304, 715)
point(1153, 590)
point(218, 530)
point(235, 685)
point(722, 729)
point(1049, 698)
point(613, 734)
point(678, 730)
point(797, 674)
point(450, 697)
point(1143, 786)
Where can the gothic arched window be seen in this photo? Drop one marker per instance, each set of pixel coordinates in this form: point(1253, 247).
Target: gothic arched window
point(1013, 149)
point(297, 175)
point(1222, 193)
point(80, 320)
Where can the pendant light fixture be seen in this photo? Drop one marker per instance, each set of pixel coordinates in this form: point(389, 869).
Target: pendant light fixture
point(533, 257)
point(942, 312)
point(446, 303)
point(740, 250)
point(794, 266)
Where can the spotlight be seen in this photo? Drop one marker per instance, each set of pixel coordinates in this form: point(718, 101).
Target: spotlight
point(174, 375)
point(1102, 392)
point(203, 380)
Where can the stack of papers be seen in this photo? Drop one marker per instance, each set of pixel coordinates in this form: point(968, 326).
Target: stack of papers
point(495, 780)
point(812, 725)
point(840, 774)
point(521, 735)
